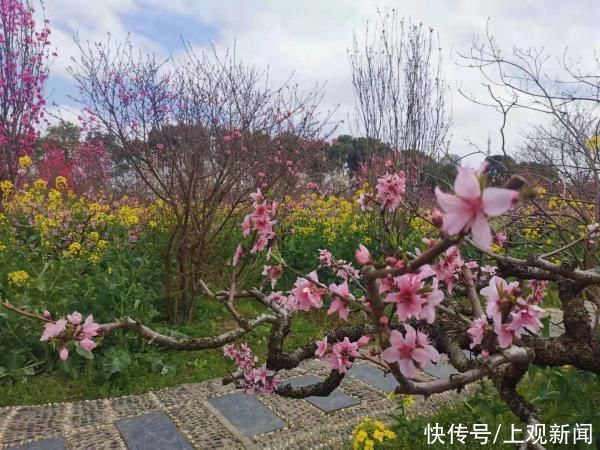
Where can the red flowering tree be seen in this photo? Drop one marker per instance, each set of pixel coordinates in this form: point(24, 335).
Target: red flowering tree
point(24, 52)
point(86, 167)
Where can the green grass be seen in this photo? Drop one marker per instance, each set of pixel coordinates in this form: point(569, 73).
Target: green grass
point(150, 368)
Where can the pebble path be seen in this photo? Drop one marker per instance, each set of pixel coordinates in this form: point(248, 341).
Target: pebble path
point(209, 415)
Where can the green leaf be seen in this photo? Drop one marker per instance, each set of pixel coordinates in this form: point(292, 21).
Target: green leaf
point(83, 353)
point(115, 361)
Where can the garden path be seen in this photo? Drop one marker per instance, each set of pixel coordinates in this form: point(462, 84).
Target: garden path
point(210, 415)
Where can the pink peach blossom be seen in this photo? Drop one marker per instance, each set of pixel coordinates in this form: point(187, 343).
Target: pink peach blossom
point(75, 318)
point(53, 329)
point(496, 292)
point(363, 256)
point(87, 344)
point(410, 351)
point(468, 209)
point(477, 331)
point(390, 189)
point(307, 294)
point(322, 347)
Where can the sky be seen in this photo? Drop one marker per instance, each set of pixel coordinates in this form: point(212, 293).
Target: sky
point(310, 38)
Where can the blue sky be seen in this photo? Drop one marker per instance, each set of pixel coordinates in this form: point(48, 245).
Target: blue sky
point(310, 38)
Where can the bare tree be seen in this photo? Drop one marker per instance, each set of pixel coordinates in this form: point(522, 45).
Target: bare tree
point(561, 151)
point(399, 89)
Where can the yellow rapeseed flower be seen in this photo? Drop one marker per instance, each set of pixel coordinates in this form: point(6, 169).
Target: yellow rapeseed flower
point(93, 236)
point(74, 249)
point(18, 278)
point(6, 187)
point(25, 162)
point(94, 258)
point(60, 183)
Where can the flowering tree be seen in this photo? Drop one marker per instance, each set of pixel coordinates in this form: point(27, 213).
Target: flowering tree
point(405, 308)
point(561, 152)
point(24, 52)
point(200, 136)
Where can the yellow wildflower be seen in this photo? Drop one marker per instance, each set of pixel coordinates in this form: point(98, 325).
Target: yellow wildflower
point(25, 162)
point(18, 278)
point(6, 187)
point(60, 183)
point(74, 249)
point(408, 401)
point(361, 436)
point(93, 236)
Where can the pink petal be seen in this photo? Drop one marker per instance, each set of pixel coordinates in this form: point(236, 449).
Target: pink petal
point(63, 354)
point(411, 335)
point(497, 201)
point(407, 367)
point(466, 184)
point(448, 202)
point(87, 344)
point(396, 338)
point(391, 354)
point(481, 231)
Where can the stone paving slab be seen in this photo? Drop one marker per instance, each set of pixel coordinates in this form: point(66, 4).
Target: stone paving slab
point(334, 401)
point(246, 414)
point(154, 431)
point(440, 370)
point(374, 376)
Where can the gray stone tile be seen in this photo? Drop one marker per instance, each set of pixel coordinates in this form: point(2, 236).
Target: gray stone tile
point(374, 376)
point(54, 443)
point(246, 414)
point(334, 401)
point(154, 431)
point(440, 370)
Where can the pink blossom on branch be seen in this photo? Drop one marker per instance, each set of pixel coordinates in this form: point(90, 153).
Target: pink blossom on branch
point(411, 351)
point(390, 189)
point(500, 295)
point(470, 206)
point(363, 256)
point(339, 358)
point(477, 331)
point(71, 329)
point(340, 293)
point(273, 273)
point(447, 267)
point(410, 294)
point(257, 380)
point(308, 294)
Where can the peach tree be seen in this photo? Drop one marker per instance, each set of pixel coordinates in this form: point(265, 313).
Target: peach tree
point(404, 308)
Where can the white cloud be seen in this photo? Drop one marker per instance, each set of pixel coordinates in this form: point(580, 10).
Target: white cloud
point(311, 38)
